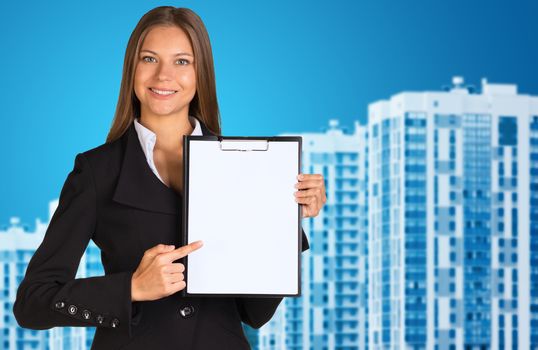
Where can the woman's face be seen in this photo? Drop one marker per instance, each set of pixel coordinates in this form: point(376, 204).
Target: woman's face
point(165, 77)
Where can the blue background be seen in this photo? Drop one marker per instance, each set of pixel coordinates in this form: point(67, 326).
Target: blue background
point(280, 66)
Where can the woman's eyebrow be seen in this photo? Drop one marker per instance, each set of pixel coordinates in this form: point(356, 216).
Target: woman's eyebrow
point(177, 54)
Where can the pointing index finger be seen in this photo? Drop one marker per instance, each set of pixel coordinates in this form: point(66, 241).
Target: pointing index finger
point(183, 251)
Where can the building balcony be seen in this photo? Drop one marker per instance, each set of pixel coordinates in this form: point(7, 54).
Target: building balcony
point(347, 294)
point(347, 175)
point(346, 316)
point(347, 214)
point(347, 330)
point(344, 265)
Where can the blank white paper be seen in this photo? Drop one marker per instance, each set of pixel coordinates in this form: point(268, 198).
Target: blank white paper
point(242, 205)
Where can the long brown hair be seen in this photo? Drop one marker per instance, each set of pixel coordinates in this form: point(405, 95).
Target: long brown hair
point(204, 104)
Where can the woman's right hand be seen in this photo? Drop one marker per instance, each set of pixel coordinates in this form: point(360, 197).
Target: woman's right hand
point(157, 276)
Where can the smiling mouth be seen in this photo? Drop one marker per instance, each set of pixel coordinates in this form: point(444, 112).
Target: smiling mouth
point(163, 92)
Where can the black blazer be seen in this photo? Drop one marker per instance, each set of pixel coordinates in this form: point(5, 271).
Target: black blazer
point(113, 198)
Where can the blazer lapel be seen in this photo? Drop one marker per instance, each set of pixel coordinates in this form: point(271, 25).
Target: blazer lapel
point(137, 184)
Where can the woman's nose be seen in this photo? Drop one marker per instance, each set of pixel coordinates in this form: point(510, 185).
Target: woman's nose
point(165, 72)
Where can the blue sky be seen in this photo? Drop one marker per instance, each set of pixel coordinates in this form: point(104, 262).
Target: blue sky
point(281, 67)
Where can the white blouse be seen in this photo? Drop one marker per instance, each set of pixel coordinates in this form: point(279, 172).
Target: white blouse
point(148, 139)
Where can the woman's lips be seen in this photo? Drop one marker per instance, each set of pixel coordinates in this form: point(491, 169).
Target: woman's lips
point(161, 93)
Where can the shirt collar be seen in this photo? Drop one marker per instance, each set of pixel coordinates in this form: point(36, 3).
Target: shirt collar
point(148, 137)
point(197, 127)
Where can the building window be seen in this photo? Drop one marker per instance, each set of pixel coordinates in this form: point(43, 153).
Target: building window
point(507, 131)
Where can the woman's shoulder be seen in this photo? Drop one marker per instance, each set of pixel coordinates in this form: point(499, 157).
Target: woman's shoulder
point(107, 156)
point(104, 151)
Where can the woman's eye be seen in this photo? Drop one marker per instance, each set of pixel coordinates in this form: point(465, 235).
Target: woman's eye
point(182, 61)
point(148, 59)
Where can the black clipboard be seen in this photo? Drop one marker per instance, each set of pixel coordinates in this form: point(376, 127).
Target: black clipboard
point(235, 199)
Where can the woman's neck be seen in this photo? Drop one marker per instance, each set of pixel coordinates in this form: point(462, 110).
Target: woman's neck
point(168, 129)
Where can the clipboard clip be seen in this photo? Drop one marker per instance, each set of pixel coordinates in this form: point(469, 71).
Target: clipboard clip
point(244, 145)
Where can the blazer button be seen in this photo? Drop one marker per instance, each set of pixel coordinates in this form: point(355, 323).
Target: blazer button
point(59, 305)
point(86, 314)
point(186, 311)
point(115, 323)
point(72, 309)
point(100, 319)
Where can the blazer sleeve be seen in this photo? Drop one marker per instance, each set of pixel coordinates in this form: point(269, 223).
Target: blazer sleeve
point(258, 311)
point(49, 295)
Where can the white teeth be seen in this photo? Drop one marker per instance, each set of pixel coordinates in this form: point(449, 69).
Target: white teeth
point(163, 92)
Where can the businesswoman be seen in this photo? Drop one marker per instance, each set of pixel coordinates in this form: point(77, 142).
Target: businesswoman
point(125, 196)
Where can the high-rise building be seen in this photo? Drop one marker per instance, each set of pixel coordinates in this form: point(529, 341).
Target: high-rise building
point(331, 313)
point(449, 258)
point(453, 212)
point(17, 246)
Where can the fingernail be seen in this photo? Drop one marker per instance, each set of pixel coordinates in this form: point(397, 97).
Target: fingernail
point(199, 243)
point(171, 247)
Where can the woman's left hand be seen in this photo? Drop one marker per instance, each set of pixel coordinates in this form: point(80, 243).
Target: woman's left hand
point(310, 194)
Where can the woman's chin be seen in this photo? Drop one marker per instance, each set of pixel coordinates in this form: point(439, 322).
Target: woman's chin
point(163, 112)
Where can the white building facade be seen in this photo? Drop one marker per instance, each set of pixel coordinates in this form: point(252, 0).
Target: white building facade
point(331, 312)
point(453, 219)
